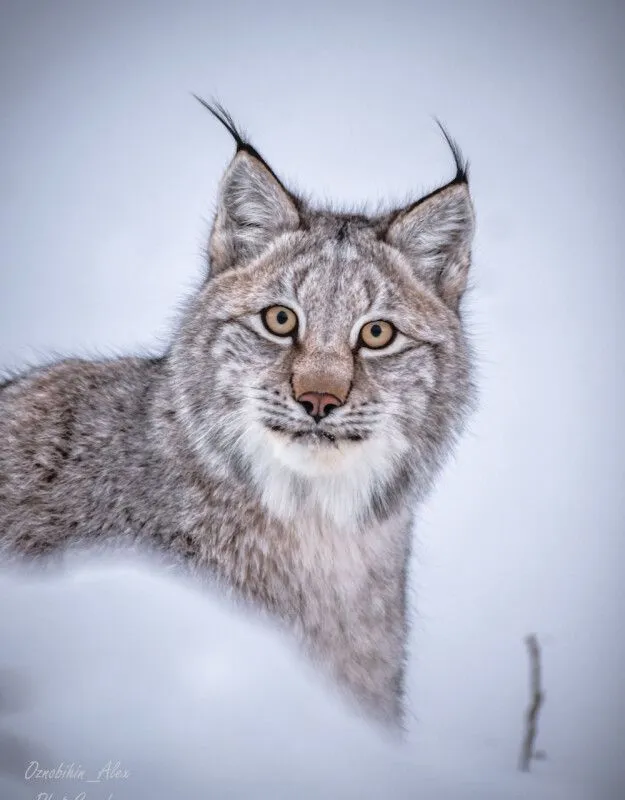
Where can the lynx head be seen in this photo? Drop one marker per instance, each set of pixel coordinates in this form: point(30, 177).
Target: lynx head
point(324, 358)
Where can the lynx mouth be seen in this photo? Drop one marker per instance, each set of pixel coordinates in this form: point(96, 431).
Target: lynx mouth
point(316, 437)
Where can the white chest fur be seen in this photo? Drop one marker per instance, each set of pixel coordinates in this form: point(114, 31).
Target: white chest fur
point(322, 485)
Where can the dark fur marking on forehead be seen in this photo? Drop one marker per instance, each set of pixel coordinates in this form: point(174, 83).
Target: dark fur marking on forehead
point(369, 290)
point(342, 232)
point(298, 280)
point(243, 145)
point(353, 219)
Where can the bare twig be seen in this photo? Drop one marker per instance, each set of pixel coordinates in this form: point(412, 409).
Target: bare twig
point(537, 698)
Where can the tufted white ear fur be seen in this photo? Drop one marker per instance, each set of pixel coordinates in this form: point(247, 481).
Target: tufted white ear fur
point(253, 209)
point(435, 235)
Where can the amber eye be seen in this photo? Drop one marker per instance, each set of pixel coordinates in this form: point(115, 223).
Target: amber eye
point(280, 320)
point(377, 334)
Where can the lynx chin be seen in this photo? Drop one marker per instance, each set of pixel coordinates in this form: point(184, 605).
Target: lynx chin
point(310, 393)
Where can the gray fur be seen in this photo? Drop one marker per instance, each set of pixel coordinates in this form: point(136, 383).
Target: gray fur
point(205, 454)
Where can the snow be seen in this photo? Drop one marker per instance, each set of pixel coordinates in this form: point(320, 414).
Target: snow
point(123, 667)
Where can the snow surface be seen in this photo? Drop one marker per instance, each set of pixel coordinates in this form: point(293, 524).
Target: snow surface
point(122, 662)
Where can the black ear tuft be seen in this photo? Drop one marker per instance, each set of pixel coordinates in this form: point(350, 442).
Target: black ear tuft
point(462, 165)
point(220, 113)
point(461, 177)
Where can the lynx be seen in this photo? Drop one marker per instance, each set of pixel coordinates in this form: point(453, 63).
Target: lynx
point(309, 395)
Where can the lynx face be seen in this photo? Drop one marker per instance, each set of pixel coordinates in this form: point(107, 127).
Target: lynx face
point(324, 356)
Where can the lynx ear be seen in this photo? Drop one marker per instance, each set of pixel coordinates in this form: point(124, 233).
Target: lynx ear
point(253, 209)
point(435, 234)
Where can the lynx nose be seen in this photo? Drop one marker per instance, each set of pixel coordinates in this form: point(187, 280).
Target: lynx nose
point(319, 404)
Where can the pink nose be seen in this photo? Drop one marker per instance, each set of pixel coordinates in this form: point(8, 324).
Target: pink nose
point(319, 404)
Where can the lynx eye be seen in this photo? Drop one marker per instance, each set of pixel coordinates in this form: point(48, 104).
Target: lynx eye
point(280, 320)
point(376, 334)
